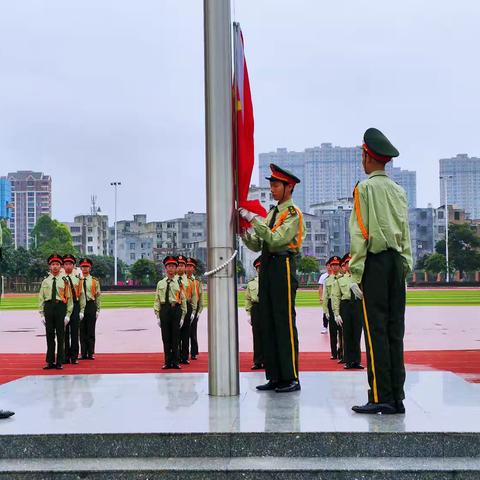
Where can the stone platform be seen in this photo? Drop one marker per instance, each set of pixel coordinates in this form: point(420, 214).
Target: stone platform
point(157, 425)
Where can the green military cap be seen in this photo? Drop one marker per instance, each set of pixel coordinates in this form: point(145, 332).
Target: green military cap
point(378, 146)
point(281, 175)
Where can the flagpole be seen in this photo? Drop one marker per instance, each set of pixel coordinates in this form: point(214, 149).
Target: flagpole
point(223, 378)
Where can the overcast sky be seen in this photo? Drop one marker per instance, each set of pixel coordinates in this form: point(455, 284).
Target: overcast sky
point(95, 91)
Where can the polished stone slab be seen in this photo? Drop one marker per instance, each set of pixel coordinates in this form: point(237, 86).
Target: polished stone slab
point(179, 403)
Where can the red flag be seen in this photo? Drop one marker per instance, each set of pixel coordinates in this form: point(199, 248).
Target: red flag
point(243, 129)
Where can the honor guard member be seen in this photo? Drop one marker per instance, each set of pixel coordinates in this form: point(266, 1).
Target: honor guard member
point(279, 237)
point(348, 314)
point(3, 413)
point(72, 329)
point(91, 290)
point(170, 309)
point(197, 292)
point(187, 290)
point(55, 306)
point(321, 287)
point(253, 309)
point(381, 258)
point(335, 329)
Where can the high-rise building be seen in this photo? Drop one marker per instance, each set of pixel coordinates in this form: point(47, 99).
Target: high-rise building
point(327, 173)
point(408, 180)
point(461, 174)
point(31, 198)
point(5, 198)
point(90, 234)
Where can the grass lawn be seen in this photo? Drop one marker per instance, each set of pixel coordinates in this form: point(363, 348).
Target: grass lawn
point(305, 298)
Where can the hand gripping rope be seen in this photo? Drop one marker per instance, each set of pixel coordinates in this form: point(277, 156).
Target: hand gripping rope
point(222, 266)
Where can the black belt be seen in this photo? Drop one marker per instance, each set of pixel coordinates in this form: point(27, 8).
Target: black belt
point(55, 301)
point(90, 301)
point(285, 253)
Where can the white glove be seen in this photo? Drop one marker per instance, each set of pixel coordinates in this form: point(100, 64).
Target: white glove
point(338, 320)
point(327, 316)
point(181, 322)
point(159, 322)
point(249, 319)
point(357, 291)
point(81, 315)
point(66, 321)
point(96, 315)
point(42, 318)
point(247, 215)
point(192, 317)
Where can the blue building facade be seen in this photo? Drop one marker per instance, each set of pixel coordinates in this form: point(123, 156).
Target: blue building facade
point(5, 197)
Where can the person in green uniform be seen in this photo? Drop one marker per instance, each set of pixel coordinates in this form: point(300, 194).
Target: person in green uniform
point(3, 413)
point(73, 327)
point(252, 309)
point(55, 308)
point(279, 237)
point(381, 258)
point(170, 309)
point(186, 284)
point(197, 292)
point(348, 313)
point(91, 291)
point(335, 329)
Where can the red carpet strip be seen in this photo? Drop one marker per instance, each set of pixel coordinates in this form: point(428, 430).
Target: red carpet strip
point(13, 366)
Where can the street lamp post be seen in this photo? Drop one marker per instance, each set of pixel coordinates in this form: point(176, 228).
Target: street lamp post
point(445, 187)
point(116, 185)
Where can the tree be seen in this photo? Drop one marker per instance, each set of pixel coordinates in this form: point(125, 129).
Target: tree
point(463, 247)
point(240, 269)
point(435, 263)
point(145, 271)
point(104, 268)
point(50, 236)
point(421, 262)
point(308, 265)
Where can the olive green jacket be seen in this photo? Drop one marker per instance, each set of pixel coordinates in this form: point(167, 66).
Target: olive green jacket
point(251, 295)
point(287, 234)
point(341, 291)
point(92, 286)
point(175, 295)
point(379, 221)
point(328, 289)
point(62, 292)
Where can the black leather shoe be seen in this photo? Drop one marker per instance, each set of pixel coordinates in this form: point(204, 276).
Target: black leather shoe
point(84, 357)
point(50, 366)
point(6, 414)
point(256, 366)
point(292, 386)
point(185, 362)
point(270, 385)
point(373, 408)
point(74, 361)
point(400, 406)
point(165, 366)
point(333, 357)
point(58, 366)
point(91, 357)
point(194, 357)
point(341, 361)
point(176, 366)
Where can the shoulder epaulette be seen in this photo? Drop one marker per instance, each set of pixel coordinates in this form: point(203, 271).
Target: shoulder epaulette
point(292, 210)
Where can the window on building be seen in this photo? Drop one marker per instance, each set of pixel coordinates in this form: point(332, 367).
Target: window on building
point(440, 214)
point(309, 224)
point(308, 237)
point(90, 249)
point(132, 256)
point(89, 239)
point(456, 215)
point(132, 246)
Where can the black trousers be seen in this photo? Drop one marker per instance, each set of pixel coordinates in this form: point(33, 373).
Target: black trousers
point(193, 336)
point(336, 334)
point(277, 291)
point(185, 334)
point(170, 326)
point(87, 329)
point(55, 329)
point(257, 334)
point(325, 321)
point(383, 286)
point(71, 334)
point(352, 316)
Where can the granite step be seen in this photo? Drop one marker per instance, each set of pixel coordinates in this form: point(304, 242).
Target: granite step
point(241, 444)
point(245, 468)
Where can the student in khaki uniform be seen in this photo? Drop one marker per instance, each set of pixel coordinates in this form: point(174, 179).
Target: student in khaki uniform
point(335, 329)
point(55, 307)
point(3, 413)
point(170, 309)
point(72, 329)
point(279, 237)
point(381, 258)
point(197, 293)
point(348, 314)
point(91, 291)
point(253, 311)
point(187, 286)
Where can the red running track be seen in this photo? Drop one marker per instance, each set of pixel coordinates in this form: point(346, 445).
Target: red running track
point(17, 365)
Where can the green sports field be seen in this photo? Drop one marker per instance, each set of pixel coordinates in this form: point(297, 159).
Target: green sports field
point(305, 298)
